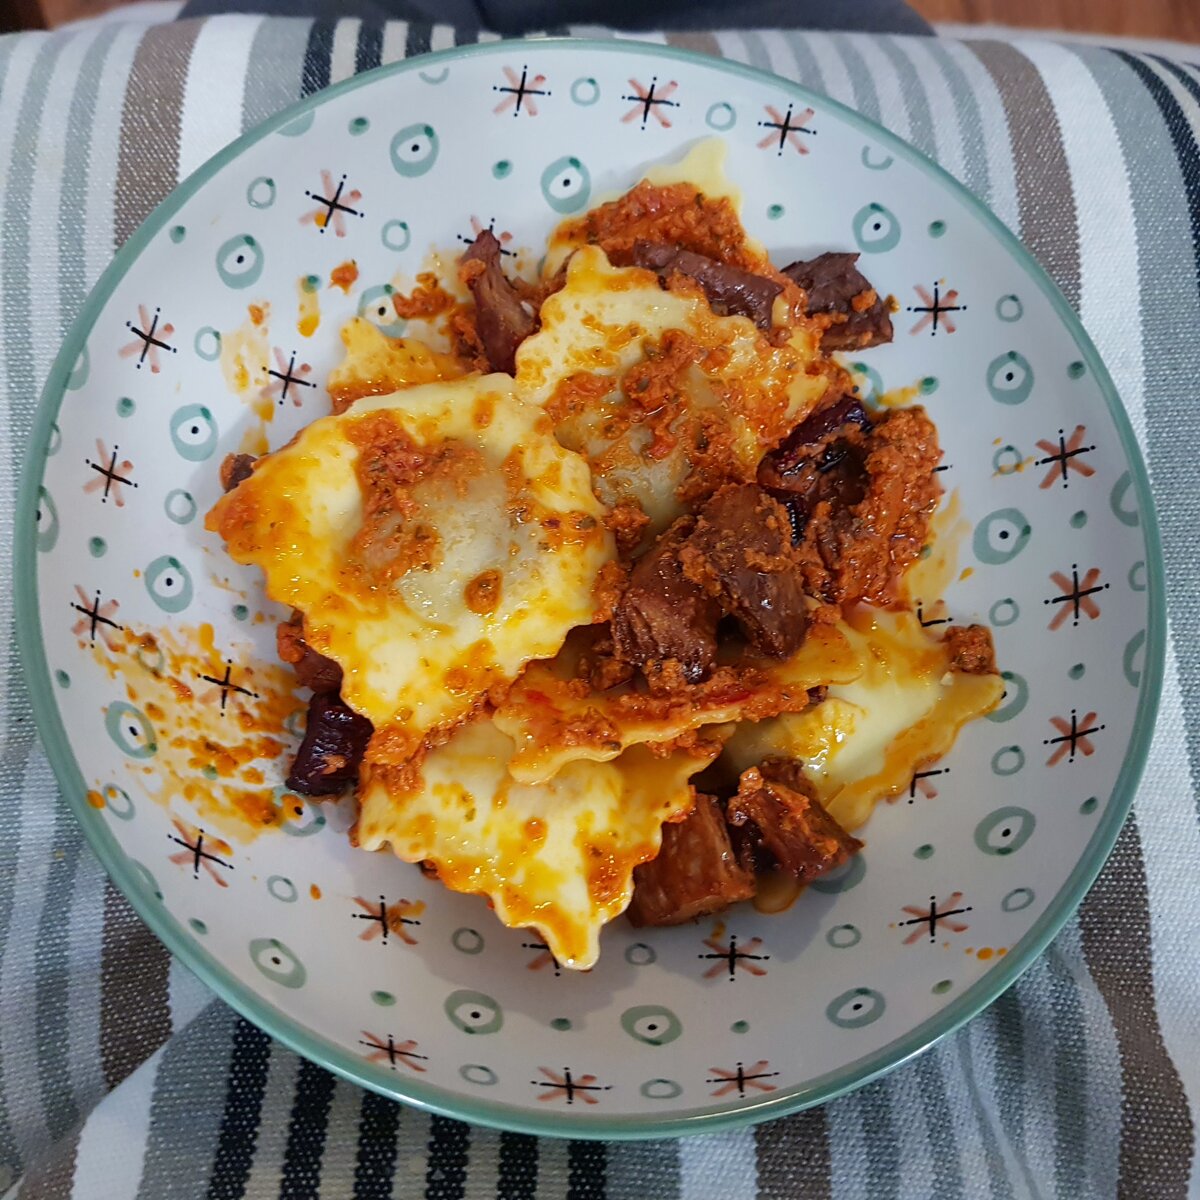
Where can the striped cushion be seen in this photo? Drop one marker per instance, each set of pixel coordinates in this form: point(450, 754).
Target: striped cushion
point(120, 1076)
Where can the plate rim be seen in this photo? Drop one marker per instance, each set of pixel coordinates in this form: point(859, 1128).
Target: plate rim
point(427, 1097)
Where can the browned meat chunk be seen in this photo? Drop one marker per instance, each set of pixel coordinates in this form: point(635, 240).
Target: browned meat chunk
point(502, 321)
point(313, 669)
point(665, 616)
point(971, 649)
point(235, 468)
point(815, 462)
point(334, 743)
point(791, 824)
point(741, 553)
point(864, 529)
point(696, 871)
point(728, 289)
point(836, 287)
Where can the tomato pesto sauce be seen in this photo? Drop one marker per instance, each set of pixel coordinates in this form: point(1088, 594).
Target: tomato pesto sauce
point(598, 575)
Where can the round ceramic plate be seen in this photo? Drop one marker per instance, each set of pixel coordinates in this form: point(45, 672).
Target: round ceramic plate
point(357, 960)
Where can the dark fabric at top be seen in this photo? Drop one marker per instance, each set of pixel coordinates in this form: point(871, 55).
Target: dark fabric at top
point(521, 16)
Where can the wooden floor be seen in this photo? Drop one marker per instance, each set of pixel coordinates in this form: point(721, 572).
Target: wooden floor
point(1178, 20)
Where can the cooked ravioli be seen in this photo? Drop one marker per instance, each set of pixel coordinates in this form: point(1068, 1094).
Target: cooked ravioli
point(558, 856)
point(554, 718)
point(866, 739)
point(436, 540)
point(650, 386)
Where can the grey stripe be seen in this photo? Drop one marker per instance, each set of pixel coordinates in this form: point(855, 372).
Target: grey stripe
point(267, 1168)
point(939, 1121)
point(187, 1106)
point(53, 1177)
point(149, 155)
point(72, 278)
point(808, 70)
point(882, 1143)
point(274, 69)
point(643, 1169)
point(20, 379)
point(916, 102)
point(1001, 1184)
point(1008, 1039)
point(757, 50)
point(793, 1157)
point(83, 1004)
point(1068, 1035)
point(866, 99)
point(970, 122)
point(1045, 196)
point(1157, 1131)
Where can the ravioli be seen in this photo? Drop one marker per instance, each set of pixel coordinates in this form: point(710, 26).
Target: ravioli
point(554, 718)
point(436, 540)
point(870, 734)
point(558, 856)
point(650, 385)
point(376, 364)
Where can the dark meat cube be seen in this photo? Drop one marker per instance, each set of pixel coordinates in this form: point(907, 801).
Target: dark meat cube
point(312, 668)
point(333, 746)
point(741, 552)
point(696, 872)
point(664, 616)
point(234, 469)
point(502, 320)
point(821, 459)
point(836, 286)
point(971, 649)
point(728, 289)
point(790, 824)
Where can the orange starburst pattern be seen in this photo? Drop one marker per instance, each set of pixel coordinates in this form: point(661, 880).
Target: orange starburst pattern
point(742, 1079)
point(95, 617)
point(729, 957)
point(1078, 596)
point(520, 92)
point(288, 378)
point(783, 132)
point(150, 336)
point(201, 852)
point(384, 921)
point(936, 308)
point(651, 101)
point(939, 915)
point(1064, 456)
point(112, 475)
point(394, 1053)
point(335, 202)
point(569, 1086)
point(1074, 738)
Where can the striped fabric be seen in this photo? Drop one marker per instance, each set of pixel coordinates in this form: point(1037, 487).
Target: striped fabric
point(121, 1077)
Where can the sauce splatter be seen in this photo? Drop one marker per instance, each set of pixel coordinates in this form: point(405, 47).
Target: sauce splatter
point(344, 276)
point(310, 305)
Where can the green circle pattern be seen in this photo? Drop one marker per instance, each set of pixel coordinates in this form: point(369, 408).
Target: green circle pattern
point(130, 730)
point(1001, 536)
point(876, 230)
point(855, 1008)
point(277, 963)
point(652, 1024)
point(169, 584)
point(1016, 696)
point(194, 432)
point(240, 261)
point(473, 1012)
point(1005, 831)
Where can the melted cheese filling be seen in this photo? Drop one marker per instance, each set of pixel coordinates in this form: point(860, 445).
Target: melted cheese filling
point(554, 720)
point(740, 388)
point(866, 739)
point(558, 856)
point(430, 586)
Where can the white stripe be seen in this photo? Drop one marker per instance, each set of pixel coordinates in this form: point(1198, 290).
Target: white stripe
point(1103, 1149)
point(732, 45)
point(271, 1144)
point(912, 1133)
point(1039, 1118)
point(847, 1149)
point(979, 1037)
point(441, 37)
point(345, 49)
point(1002, 175)
point(486, 35)
point(946, 132)
point(718, 1164)
point(16, 77)
point(84, 947)
point(779, 55)
point(212, 116)
point(658, 38)
point(1171, 849)
point(833, 68)
point(187, 996)
point(395, 37)
point(968, 1136)
point(104, 148)
point(108, 1159)
point(1108, 250)
point(893, 112)
point(34, 831)
point(483, 1165)
point(341, 1135)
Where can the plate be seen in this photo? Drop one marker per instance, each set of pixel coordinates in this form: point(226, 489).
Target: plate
point(358, 961)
